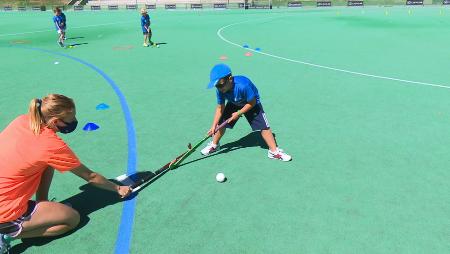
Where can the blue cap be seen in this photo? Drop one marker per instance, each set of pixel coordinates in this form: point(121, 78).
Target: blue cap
point(217, 72)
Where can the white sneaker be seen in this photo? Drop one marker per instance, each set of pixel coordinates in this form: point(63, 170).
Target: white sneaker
point(4, 245)
point(279, 155)
point(210, 148)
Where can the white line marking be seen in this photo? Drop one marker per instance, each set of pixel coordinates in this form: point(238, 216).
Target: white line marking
point(75, 27)
point(219, 33)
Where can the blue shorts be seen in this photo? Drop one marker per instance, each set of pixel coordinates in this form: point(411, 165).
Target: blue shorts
point(144, 31)
point(13, 228)
point(255, 116)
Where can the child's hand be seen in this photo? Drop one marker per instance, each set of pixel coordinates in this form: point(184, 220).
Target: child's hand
point(211, 131)
point(235, 116)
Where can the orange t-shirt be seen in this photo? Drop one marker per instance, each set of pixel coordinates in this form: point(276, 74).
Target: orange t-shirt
point(24, 156)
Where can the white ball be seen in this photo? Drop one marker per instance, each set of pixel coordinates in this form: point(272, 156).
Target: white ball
point(220, 177)
point(56, 62)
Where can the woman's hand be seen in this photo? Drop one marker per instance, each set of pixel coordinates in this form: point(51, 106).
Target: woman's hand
point(123, 191)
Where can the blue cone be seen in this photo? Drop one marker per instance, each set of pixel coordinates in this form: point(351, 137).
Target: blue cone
point(258, 49)
point(245, 46)
point(90, 127)
point(102, 106)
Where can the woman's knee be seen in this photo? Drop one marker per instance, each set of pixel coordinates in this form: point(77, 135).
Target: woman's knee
point(56, 213)
point(50, 219)
point(73, 217)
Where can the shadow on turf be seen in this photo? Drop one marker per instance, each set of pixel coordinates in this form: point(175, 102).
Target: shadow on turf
point(86, 202)
point(160, 43)
point(252, 139)
point(74, 38)
point(77, 44)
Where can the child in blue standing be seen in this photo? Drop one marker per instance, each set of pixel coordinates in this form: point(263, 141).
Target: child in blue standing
point(146, 30)
point(60, 26)
point(242, 99)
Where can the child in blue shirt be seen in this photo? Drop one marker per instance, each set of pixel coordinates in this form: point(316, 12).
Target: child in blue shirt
point(60, 26)
point(145, 25)
point(242, 98)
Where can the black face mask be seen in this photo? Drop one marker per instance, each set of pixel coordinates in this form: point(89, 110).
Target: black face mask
point(70, 127)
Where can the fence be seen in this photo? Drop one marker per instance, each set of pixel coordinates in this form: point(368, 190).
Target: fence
point(95, 5)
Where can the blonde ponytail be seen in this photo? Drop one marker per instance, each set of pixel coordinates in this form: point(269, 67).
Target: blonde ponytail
point(52, 105)
point(35, 115)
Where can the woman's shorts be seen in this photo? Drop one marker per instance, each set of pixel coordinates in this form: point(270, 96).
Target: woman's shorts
point(13, 228)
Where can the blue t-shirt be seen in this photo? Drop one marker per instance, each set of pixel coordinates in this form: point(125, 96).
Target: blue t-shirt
point(243, 92)
point(145, 22)
point(59, 20)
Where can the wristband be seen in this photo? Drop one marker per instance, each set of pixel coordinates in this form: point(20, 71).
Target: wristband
point(239, 113)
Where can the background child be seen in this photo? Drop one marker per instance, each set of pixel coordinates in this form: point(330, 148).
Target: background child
point(60, 26)
point(242, 99)
point(146, 30)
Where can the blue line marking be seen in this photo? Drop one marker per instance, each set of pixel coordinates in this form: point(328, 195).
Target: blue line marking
point(126, 223)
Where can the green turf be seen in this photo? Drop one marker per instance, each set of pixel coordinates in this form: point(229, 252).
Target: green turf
point(370, 170)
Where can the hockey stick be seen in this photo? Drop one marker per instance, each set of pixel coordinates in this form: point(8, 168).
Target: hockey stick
point(140, 179)
point(192, 149)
